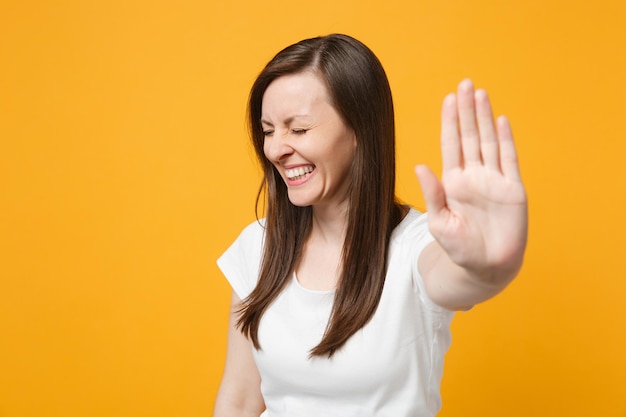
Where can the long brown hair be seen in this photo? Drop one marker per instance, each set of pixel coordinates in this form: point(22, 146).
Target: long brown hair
point(360, 93)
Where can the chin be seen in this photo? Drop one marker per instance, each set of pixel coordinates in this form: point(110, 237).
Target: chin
point(300, 200)
point(299, 203)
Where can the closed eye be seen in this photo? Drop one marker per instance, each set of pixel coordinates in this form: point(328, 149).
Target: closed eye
point(299, 131)
point(267, 133)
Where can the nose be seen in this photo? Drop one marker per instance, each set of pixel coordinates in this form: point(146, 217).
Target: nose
point(277, 147)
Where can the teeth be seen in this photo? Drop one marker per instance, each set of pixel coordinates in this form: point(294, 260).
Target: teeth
point(299, 172)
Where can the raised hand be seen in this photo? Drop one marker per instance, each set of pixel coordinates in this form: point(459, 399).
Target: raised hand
point(478, 211)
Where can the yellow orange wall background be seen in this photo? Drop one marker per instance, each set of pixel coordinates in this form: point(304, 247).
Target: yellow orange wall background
point(125, 172)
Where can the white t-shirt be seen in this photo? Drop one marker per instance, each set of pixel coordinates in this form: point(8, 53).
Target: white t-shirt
point(391, 367)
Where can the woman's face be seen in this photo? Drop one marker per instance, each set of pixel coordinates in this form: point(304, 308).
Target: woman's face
point(307, 141)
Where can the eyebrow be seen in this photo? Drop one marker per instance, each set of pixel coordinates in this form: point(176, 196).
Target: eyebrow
point(286, 121)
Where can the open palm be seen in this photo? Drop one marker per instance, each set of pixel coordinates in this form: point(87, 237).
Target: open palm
point(478, 211)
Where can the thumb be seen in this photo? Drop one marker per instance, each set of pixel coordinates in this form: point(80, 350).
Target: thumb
point(432, 190)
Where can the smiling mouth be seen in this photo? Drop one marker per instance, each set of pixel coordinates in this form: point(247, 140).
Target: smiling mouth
point(299, 173)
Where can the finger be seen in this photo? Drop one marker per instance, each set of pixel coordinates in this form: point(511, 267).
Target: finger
point(432, 190)
point(488, 138)
point(508, 154)
point(467, 123)
point(450, 143)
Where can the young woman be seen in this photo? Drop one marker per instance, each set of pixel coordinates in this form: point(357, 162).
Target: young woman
point(342, 296)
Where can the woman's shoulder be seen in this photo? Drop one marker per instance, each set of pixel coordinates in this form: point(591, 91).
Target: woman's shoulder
point(255, 228)
point(253, 234)
point(413, 222)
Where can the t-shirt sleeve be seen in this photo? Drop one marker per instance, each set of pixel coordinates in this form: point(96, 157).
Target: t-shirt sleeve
point(418, 236)
point(240, 263)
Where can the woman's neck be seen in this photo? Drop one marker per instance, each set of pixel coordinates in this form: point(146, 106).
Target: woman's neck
point(330, 223)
